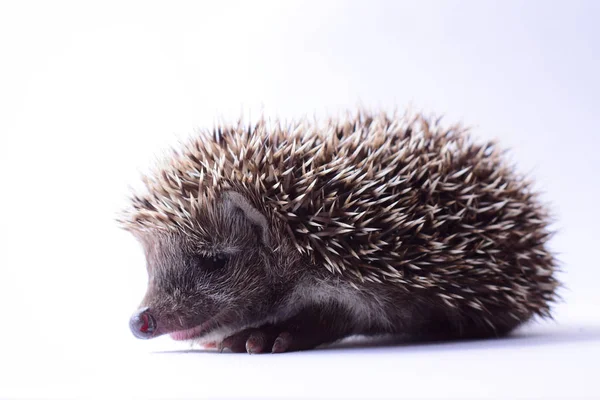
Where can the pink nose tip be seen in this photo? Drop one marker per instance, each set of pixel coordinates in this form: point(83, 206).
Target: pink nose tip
point(142, 324)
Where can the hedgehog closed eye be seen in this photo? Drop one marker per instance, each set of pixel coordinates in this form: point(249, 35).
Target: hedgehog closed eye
point(211, 263)
point(372, 224)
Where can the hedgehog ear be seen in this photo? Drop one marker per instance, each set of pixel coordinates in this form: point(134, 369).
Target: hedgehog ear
point(236, 200)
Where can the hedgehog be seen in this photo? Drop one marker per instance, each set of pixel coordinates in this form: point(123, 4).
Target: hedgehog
point(283, 236)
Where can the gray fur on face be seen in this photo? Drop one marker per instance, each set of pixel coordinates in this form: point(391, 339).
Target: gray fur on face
point(186, 288)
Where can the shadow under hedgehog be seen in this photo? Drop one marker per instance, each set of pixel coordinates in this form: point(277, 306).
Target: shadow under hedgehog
point(281, 237)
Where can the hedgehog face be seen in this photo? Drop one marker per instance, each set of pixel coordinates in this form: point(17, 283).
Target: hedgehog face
point(208, 284)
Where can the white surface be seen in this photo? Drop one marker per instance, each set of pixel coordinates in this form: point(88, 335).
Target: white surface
point(556, 364)
point(89, 93)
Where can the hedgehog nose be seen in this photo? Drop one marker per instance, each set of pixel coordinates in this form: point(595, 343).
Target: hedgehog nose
point(142, 324)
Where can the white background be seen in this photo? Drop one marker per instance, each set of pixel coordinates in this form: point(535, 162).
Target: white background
point(90, 93)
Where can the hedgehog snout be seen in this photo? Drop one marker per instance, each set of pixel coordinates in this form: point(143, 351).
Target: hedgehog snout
point(142, 324)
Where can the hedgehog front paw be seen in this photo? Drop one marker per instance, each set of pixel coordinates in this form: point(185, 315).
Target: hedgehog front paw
point(311, 327)
point(266, 340)
point(249, 340)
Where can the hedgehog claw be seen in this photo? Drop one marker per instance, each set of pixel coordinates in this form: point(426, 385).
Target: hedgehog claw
point(256, 342)
point(282, 343)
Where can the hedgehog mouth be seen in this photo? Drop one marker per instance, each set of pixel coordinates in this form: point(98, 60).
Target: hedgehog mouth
point(197, 331)
point(188, 334)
